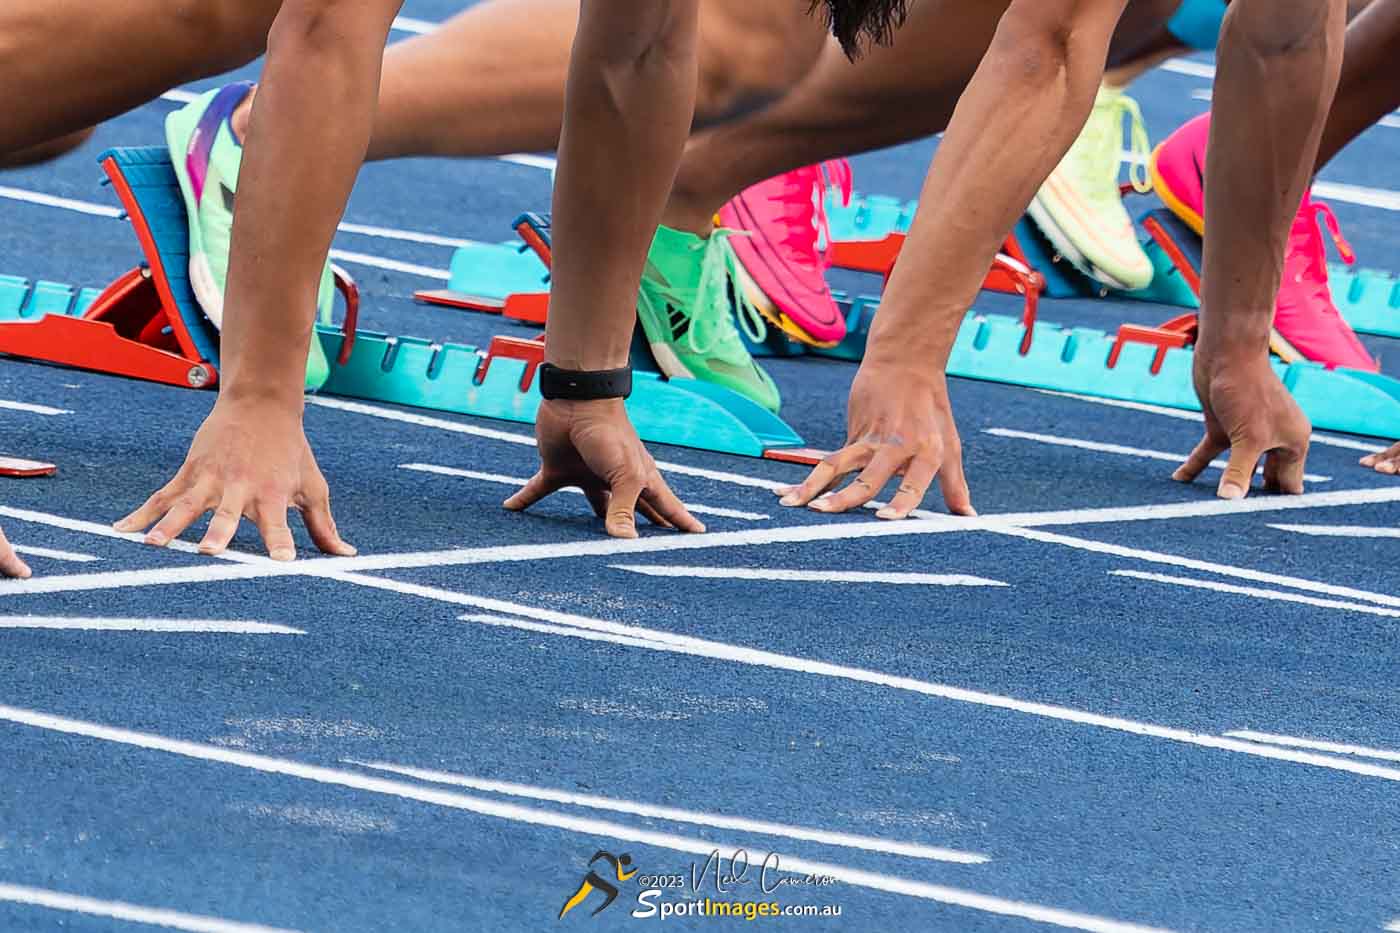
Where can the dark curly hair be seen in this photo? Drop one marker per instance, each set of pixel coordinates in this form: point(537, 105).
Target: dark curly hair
point(850, 20)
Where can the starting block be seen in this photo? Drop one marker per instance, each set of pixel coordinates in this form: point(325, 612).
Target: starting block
point(1368, 299)
point(147, 325)
point(500, 382)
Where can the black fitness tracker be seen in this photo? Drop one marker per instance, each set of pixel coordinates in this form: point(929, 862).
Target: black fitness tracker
point(575, 386)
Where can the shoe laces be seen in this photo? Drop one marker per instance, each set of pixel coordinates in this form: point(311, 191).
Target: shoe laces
point(718, 292)
point(1101, 142)
point(803, 202)
point(1306, 261)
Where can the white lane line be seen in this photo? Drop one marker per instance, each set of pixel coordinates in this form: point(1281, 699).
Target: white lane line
point(1393, 926)
point(1340, 531)
point(780, 575)
point(84, 527)
point(131, 913)
point(1181, 415)
point(597, 630)
point(1101, 447)
point(407, 236)
point(1187, 563)
point(32, 409)
point(71, 557)
point(392, 265)
point(678, 815)
point(1207, 94)
point(190, 626)
point(1256, 592)
point(517, 482)
point(1185, 66)
point(1334, 748)
point(549, 163)
point(1382, 198)
point(180, 95)
point(416, 26)
point(587, 826)
point(364, 259)
point(524, 440)
point(1013, 524)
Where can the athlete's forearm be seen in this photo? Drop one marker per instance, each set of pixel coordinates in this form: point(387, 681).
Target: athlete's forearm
point(630, 97)
point(1276, 73)
point(320, 82)
point(1019, 115)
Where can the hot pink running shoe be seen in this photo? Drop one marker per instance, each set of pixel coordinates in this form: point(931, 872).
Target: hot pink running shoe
point(1305, 319)
point(1306, 322)
point(783, 253)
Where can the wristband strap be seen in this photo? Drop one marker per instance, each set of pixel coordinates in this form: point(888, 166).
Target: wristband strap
point(576, 386)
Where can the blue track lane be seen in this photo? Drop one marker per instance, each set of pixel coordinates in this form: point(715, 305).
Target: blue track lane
point(1086, 741)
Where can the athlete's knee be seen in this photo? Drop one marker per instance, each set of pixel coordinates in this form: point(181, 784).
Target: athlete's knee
point(637, 34)
point(231, 32)
point(330, 27)
point(751, 52)
point(1273, 29)
point(46, 151)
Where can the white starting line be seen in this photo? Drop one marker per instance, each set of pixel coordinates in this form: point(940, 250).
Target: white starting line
point(198, 626)
point(781, 575)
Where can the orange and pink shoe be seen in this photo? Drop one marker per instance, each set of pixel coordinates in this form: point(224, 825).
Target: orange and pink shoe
point(784, 250)
point(1306, 322)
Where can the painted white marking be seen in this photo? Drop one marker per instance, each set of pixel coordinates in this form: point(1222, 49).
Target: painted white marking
point(1334, 748)
point(180, 95)
point(548, 163)
point(1382, 198)
point(416, 26)
point(1206, 94)
point(1393, 926)
point(566, 821)
point(91, 528)
point(199, 626)
point(32, 409)
point(67, 204)
point(1256, 592)
point(779, 575)
point(1340, 531)
point(517, 482)
point(678, 815)
point(524, 440)
point(1196, 416)
point(1101, 447)
point(632, 636)
point(392, 265)
point(131, 913)
point(1013, 524)
point(1225, 570)
point(407, 236)
point(1185, 66)
point(71, 557)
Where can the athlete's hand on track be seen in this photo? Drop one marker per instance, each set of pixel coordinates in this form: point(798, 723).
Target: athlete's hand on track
point(249, 459)
point(10, 564)
point(1250, 413)
point(592, 445)
point(1387, 461)
point(900, 423)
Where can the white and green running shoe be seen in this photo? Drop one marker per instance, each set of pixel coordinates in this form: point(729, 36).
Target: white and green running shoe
point(692, 290)
point(207, 154)
point(1080, 209)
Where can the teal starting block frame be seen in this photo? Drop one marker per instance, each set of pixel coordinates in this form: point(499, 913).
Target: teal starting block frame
point(1367, 299)
point(147, 326)
point(1140, 364)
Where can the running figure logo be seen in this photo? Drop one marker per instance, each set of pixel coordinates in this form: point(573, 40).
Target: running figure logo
point(596, 882)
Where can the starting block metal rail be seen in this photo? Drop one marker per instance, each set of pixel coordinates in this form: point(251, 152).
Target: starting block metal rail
point(148, 325)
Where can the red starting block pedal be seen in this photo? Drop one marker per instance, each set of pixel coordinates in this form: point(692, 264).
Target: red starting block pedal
point(16, 468)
